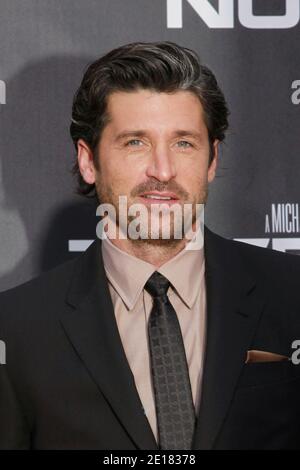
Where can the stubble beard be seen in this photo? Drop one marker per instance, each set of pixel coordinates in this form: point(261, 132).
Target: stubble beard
point(106, 195)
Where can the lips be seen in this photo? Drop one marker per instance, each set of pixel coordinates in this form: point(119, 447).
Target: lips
point(159, 196)
point(155, 197)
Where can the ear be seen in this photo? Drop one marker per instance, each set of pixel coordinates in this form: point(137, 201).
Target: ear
point(213, 165)
point(85, 162)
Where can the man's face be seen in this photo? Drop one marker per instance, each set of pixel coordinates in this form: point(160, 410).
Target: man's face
point(153, 142)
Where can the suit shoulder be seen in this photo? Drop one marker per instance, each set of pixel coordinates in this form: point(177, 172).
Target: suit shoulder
point(264, 262)
point(265, 253)
point(276, 267)
point(41, 287)
point(34, 308)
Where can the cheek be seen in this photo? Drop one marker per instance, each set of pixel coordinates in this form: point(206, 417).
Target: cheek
point(192, 174)
point(121, 178)
point(110, 169)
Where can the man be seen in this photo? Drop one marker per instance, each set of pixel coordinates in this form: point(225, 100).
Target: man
point(145, 343)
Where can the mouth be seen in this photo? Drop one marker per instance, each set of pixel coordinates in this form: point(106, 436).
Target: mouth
point(155, 197)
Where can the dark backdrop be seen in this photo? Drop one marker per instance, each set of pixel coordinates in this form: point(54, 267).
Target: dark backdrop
point(252, 47)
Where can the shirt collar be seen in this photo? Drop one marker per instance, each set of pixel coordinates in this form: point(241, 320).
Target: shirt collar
point(129, 274)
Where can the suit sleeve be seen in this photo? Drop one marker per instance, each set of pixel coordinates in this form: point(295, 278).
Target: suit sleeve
point(14, 431)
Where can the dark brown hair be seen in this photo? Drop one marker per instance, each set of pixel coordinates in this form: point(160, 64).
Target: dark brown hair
point(158, 66)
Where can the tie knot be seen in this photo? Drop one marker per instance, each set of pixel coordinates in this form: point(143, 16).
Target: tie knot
point(157, 285)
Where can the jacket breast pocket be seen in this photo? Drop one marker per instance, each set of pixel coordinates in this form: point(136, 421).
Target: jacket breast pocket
point(262, 374)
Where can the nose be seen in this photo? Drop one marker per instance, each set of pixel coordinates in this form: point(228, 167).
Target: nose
point(161, 164)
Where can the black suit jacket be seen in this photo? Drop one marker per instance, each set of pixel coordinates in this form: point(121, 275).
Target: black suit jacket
point(67, 383)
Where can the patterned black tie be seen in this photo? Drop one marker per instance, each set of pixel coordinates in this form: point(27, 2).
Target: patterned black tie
point(171, 383)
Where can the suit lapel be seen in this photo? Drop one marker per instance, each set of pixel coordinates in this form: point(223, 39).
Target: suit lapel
point(234, 304)
point(92, 329)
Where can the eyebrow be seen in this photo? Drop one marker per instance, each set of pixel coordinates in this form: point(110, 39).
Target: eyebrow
point(142, 132)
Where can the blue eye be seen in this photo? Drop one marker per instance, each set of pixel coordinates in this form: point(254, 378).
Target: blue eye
point(134, 142)
point(185, 144)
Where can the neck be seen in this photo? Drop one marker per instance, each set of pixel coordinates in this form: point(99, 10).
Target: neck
point(155, 252)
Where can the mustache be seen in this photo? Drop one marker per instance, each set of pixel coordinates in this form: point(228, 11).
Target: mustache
point(160, 186)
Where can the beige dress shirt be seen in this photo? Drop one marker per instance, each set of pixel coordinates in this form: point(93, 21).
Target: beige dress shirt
point(127, 276)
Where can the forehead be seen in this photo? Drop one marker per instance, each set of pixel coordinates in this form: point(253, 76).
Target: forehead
point(142, 108)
